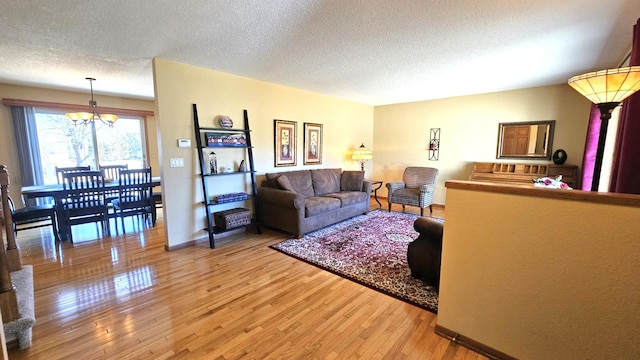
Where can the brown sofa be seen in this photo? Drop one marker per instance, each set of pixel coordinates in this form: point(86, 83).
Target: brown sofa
point(302, 201)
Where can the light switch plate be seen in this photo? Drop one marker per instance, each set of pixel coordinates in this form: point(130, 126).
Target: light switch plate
point(176, 162)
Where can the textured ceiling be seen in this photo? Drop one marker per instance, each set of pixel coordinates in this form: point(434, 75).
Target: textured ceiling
point(374, 52)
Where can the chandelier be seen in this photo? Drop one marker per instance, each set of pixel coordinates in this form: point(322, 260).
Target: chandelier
point(94, 115)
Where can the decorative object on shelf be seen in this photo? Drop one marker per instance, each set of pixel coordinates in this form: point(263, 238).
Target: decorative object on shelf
point(94, 115)
point(362, 154)
point(607, 89)
point(312, 144)
point(232, 218)
point(213, 163)
point(226, 139)
point(242, 167)
point(284, 142)
point(225, 122)
point(559, 157)
point(434, 144)
point(551, 183)
point(230, 197)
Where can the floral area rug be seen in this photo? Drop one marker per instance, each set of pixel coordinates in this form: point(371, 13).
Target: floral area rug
point(369, 249)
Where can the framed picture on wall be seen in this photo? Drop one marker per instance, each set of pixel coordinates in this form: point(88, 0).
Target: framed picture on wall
point(312, 144)
point(284, 142)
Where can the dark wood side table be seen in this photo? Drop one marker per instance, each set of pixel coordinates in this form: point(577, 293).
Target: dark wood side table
point(375, 190)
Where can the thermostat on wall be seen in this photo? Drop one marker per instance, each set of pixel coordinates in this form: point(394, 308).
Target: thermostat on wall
point(184, 143)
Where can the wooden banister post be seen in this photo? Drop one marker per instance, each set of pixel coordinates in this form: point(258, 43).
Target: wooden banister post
point(8, 302)
point(14, 260)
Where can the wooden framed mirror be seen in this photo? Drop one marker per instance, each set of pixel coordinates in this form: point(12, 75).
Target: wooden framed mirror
point(525, 140)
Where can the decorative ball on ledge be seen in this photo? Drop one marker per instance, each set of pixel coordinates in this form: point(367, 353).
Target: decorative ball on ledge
point(559, 157)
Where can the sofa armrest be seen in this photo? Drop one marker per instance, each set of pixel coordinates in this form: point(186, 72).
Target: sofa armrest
point(429, 188)
point(428, 227)
point(280, 197)
point(367, 186)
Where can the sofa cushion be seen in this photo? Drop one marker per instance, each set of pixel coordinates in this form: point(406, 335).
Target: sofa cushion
point(300, 181)
point(407, 196)
point(326, 181)
point(351, 180)
point(318, 205)
point(285, 183)
point(349, 197)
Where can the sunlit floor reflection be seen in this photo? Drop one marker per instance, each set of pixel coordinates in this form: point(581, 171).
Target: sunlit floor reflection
point(101, 279)
point(100, 293)
point(53, 250)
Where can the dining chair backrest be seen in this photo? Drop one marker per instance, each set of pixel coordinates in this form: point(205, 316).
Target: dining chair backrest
point(112, 172)
point(134, 188)
point(84, 192)
point(62, 170)
point(84, 201)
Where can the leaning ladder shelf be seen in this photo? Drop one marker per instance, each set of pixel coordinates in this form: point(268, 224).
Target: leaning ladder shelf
point(205, 173)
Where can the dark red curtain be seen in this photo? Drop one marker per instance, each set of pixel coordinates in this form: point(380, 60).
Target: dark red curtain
point(625, 172)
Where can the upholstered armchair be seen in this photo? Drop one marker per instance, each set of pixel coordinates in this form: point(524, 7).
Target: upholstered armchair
point(415, 189)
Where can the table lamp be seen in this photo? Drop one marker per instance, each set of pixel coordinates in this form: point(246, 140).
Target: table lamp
point(362, 154)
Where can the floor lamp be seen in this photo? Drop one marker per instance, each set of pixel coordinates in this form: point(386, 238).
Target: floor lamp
point(606, 89)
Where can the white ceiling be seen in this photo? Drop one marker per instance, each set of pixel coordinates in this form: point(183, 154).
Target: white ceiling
point(374, 52)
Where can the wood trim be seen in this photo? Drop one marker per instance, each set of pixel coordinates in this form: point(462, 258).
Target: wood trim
point(239, 230)
point(528, 190)
point(471, 344)
point(76, 107)
point(181, 245)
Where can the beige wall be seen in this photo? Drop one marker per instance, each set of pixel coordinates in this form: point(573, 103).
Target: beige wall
point(8, 155)
point(398, 134)
point(177, 86)
point(540, 278)
point(469, 130)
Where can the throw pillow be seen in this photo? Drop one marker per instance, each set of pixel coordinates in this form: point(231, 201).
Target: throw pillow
point(272, 180)
point(351, 180)
point(284, 183)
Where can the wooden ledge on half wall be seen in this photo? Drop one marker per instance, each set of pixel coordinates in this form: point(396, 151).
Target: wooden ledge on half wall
point(529, 190)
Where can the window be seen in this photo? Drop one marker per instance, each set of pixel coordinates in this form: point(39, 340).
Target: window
point(62, 143)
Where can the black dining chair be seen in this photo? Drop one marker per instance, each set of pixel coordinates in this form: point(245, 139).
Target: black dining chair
point(134, 195)
point(62, 170)
point(156, 197)
point(33, 217)
point(84, 201)
point(111, 173)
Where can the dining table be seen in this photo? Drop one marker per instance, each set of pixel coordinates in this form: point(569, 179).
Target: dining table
point(58, 193)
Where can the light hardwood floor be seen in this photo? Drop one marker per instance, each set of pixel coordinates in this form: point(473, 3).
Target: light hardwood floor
point(125, 297)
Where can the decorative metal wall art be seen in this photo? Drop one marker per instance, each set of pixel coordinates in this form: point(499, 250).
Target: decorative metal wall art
point(434, 144)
